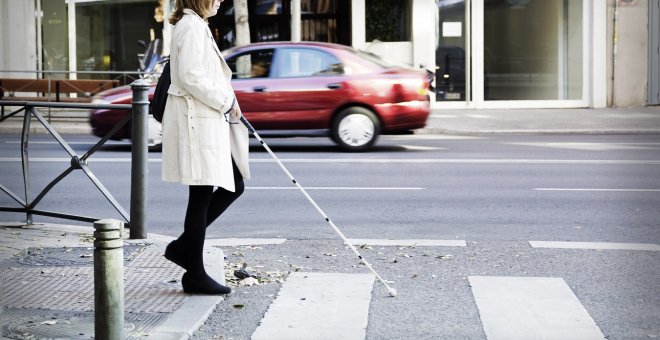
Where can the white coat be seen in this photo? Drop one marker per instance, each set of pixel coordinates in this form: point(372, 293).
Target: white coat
point(198, 139)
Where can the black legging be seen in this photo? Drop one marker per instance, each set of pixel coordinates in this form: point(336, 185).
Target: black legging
point(204, 207)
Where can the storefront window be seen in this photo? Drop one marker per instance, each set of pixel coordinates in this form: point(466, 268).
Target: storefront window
point(533, 50)
point(387, 20)
point(108, 34)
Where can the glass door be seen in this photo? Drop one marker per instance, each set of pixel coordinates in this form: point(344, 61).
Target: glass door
point(451, 52)
point(511, 53)
point(532, 50)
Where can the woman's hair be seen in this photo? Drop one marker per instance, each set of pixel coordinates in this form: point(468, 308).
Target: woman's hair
point(201, 7)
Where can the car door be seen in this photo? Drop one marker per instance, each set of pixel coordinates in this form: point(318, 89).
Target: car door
point(307, 85)
point(250, 77)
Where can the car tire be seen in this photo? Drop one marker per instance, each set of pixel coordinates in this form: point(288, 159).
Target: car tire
point(355, 129)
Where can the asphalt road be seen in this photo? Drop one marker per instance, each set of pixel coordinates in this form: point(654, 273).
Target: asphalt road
point(496, 192)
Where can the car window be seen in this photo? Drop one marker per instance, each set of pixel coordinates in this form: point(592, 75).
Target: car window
point(304, 62)
point(252, 64)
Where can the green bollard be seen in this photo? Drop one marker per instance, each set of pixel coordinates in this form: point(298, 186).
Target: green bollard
point(108, 280)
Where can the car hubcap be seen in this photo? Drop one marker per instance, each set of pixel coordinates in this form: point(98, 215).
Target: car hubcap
point(356, 129)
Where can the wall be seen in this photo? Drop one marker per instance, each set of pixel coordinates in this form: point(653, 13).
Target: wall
point(629, 87)
point(18, 50)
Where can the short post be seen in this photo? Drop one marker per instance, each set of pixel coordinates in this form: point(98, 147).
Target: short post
point(139, 157)
point(108, 280)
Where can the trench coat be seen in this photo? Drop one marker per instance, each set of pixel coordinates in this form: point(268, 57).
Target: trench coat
point(201, 134)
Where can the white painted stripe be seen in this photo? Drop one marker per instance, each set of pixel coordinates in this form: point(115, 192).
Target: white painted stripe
point(53, 142)
point(234, 242)
point(596, 189)
point(428, 137)
point(443, 116)
point(67, 160)
point(318, 306)
point(335, 188)
point(594, 146)
point(458, 161)
point(408, 243)
point(531, 308)
point(421, 148)
point(479, 116)
point(594, 245)
point(383, 161)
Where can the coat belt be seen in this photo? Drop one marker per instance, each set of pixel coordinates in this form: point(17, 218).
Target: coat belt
point(193, 140)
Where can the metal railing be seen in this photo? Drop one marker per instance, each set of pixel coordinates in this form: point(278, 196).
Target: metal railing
point(139, 107)
point(124, 77)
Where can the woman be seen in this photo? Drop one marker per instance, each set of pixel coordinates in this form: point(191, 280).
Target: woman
point(204, 144)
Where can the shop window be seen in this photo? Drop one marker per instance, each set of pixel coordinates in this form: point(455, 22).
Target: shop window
point(388, 20)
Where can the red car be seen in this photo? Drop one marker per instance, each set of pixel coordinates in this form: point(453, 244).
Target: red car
point(349, 95)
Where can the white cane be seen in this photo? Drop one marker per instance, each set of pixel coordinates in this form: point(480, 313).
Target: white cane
point(391, 290)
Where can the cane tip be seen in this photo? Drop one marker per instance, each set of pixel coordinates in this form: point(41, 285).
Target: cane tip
point(392, 292)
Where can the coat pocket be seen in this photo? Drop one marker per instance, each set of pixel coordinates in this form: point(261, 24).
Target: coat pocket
point(211, 132)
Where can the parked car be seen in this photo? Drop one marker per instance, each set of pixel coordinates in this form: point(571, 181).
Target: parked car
point(351, 96)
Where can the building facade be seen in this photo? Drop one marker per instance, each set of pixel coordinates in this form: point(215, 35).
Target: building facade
point(485, 53)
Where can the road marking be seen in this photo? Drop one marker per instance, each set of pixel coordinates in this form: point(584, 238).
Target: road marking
point(439, 116)
point(234, 242)
point(594, 146)
point(531, 308)
point(479, 116)
point(53, 142)
point(596, 189)
point(427, 137)
point(459, 161)
point(421, 148)
point(335, 188)
point(383, 160)
point(594, 245)
point(408, 243)
point(319, 306)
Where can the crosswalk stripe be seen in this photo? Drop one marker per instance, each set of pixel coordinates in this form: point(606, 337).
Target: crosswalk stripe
point(408, 242)
point(531, 308)
point(235, 242)
point(594, 245)
point(318, 306)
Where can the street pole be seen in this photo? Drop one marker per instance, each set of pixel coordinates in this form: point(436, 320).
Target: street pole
point(139, 156)
point(108, 280)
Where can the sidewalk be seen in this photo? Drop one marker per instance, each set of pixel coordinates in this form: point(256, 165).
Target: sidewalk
point(47, 286)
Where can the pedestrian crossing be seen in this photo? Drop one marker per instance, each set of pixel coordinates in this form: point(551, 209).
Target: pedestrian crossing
point(523, 308)
point(318, 306)
point(331, 305)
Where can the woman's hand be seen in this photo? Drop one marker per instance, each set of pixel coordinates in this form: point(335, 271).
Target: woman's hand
point(235, 113)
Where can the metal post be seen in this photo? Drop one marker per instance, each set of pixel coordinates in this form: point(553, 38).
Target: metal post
point(108, 280)
point(139, 156)
point(25, 136)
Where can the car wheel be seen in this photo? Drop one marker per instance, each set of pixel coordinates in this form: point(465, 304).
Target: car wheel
point(355, 129)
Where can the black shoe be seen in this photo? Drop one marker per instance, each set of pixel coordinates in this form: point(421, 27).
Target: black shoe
point(172, 253)
point(202, 285)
